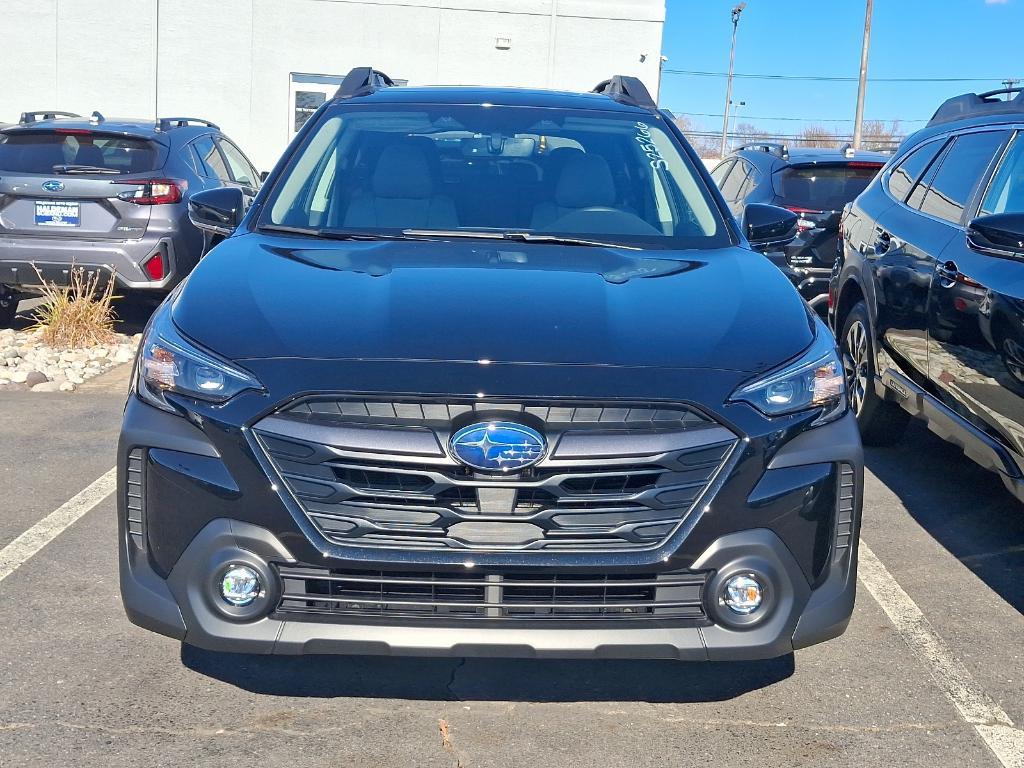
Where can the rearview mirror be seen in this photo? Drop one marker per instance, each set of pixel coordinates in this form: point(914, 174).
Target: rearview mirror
point(218, 211)
point(1001, 234)
point(768, 226)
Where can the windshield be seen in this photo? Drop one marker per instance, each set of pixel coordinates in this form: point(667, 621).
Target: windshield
point(52, 152)
point(589, 175)
point(824, 187)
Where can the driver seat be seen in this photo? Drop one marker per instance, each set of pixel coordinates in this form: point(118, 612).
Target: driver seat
point(585, 181)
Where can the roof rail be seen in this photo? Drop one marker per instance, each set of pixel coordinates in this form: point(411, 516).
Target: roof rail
point(975, 104)
point(626, 89)
point(44, 114)
point(166, 123)
point(96, 117)
point(362, 81)
point(771, 147)
point(848, 150)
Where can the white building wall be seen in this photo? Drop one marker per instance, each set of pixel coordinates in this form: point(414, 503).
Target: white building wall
point(231, 61)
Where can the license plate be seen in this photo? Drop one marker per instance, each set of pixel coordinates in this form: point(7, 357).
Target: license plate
point(57, 213)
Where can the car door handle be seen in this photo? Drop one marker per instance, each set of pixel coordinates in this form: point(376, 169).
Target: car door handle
point(948, 274)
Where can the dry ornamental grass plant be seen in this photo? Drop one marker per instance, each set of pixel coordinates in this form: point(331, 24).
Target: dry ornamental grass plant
point(80, 314)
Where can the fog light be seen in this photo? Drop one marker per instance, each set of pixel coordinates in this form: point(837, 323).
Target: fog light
point(240, 585)
point(743, 594)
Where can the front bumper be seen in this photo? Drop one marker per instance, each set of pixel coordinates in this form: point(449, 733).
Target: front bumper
point(176, 596)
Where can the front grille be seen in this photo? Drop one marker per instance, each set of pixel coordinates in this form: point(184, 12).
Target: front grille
point(404, 595)
point(378, 474)
point(135, 498)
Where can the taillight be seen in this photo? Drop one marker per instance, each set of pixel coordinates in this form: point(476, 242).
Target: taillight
point(156, 267)
point(153, 191)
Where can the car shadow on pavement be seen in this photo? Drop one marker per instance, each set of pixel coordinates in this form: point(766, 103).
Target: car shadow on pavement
point(519, 680)
point(964, 507)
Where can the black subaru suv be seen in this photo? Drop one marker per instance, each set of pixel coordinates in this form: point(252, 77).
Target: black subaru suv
point(814, 183)
point(489, 372)
point(928, 294)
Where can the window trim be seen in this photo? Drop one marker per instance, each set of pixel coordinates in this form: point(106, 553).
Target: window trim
point(217, 139)
point(203, 167)
point(1016, 133)
point(949, 138)
point(887, 173)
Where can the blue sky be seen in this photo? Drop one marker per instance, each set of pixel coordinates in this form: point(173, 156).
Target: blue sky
point(910, 38)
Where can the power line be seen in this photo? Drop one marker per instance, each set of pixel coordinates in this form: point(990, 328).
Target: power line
point(837, 79)
point(798, 119)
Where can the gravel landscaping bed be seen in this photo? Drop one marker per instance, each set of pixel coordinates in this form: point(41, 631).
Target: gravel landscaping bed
point(28, 364)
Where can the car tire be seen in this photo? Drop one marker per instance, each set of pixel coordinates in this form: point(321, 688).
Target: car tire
point(881, 422)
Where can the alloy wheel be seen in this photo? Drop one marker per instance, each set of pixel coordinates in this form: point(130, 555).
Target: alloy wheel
point(855, 363)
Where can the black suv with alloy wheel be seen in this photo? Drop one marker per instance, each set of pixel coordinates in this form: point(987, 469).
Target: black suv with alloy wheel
point(489, 372)
point(928, 293)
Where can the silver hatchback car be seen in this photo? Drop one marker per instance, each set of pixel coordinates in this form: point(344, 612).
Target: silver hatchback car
point(110, 196)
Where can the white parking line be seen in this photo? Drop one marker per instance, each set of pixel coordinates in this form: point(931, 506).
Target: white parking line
point(975, 706)
point(50, 527)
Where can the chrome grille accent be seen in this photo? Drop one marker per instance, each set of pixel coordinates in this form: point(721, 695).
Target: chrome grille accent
point(377, 474)
point(375, 594)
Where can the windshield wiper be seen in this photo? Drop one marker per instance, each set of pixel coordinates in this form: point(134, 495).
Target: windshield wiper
point(332, 234)
point(72, 169)
point(523, 237)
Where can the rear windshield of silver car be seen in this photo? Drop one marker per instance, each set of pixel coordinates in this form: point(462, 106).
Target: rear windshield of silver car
point(77, 151)
point(604, 175)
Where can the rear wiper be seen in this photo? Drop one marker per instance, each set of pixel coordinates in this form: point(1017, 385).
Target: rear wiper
point(71, 169)
point(332, 234)
point(523, 237)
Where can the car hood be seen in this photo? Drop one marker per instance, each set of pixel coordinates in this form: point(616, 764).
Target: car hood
point(293, 297)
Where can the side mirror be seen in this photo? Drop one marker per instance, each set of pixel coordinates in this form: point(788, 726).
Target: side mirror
point(1001, 234)
point(768, 226)
point(264, 175)
point(218, 211)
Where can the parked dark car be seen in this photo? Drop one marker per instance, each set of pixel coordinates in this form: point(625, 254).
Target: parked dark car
point(816, 184)
point(927, 294)
point(489, 371)
point(108, 196)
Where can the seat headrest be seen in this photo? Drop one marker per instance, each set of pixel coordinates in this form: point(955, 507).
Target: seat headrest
point(402, 172)
point(586, 181)
point(90, 154)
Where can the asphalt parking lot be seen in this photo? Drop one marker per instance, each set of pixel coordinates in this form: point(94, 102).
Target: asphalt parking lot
point(81, 686)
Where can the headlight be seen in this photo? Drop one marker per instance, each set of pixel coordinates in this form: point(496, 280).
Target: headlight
point(816, 380)
point(170, 363)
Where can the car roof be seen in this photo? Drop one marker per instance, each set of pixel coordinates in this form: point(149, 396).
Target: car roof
point(128, 126)
point(506, 97)
point(810, 155)
point(970, 110)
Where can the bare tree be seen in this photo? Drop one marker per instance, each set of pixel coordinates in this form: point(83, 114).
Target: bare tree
point(702, 143)
point(817, 136)
point(747, 132)
point(876, 134)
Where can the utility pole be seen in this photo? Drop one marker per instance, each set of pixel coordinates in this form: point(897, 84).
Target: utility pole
point(1010, 82)
point(858, 121)
point(728, 83)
